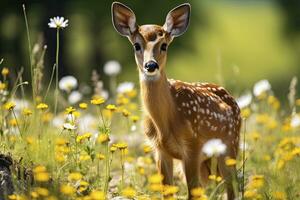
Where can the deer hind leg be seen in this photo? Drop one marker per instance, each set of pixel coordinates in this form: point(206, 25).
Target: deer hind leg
point(165, 167)
point(205, 172)
point(229, 174)
point(191, 167)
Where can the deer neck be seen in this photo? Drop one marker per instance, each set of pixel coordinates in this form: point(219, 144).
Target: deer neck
point(158, 102)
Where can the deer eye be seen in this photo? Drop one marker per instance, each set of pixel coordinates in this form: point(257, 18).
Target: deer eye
point(163, 47)
point(137, 46)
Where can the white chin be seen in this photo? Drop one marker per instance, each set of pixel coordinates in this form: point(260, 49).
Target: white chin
point(151, 76)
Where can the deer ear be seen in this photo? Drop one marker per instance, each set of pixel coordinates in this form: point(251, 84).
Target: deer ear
point(123, 19)
point(177, 20)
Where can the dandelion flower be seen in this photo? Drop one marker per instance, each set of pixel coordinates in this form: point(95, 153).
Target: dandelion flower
point(97, 101)
point(111, 107)
point(5, 71)
point(261, 87)
point(68, 83)
point(112, 68)
point(42, 106)
point(129, 192)
point(125, 87)
point(74, 97)
point(75, 176)
point(67, 190)
point(121, 145)
point(41, 176)
point(83, 105)
point(9, 106)
point(230, 162)
point(58, 22)
point(156, 178)
point(26, 112)
point(42, 191)
point(245, 100)
point(103, 138)
point(214, 147)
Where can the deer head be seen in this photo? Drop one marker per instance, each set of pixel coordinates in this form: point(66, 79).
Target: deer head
point(150, 42)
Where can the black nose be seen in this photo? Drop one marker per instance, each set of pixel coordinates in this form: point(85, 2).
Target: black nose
point(151, 66)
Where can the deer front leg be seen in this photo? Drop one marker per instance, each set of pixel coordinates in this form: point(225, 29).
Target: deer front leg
point(191, 167)
point(165, 167)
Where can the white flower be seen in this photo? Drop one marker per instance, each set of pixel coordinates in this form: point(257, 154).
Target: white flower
point(261, 87)
point(58, 22)
point(112, 68)
point(125, 87)
point(68, 83)
point(74, 97)
point(104, 94)
point(295, 121)
point(58, 121)
point(245, 100)
point(214, 147)
point(69, 126)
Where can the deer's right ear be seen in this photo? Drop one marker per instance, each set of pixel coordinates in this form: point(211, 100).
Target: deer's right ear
point(123, 19)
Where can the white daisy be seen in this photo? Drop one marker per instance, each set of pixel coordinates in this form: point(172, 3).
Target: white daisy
point(261, 87)
point(69, 126)
point(244, 100)
point(214, 147)
point(74, 97)
point(58, 22)
point(125, 87)
point(112, 68)
point(68, 83)
point(295, 121)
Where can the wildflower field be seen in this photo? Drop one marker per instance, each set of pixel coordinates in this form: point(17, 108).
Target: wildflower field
point(60, 143)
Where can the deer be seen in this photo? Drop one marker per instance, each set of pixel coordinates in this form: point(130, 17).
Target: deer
point(179, 117)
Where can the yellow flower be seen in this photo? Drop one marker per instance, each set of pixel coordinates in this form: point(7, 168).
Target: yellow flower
point(29, 140)
point(100, 156)
point(97, 101)
point(170, 190)
point(42, 191)
point(250, 193)
point(42, 106)
point(34, 194)
point(70, 110)
point(84, 157)
point(111, 107)
point(39, 169)
point(245, 113)
point(2, 86)
point(9, 106)
point(198, 192)
point(230, 162)
point(125, 113)
point(103, 137)
point(41, 176)
point(156, 187)
point(121, 145)
point(13, 122)
point(82, 137)
point(75, 176)
point(147, 149)
point(135, 118)
point(113, 148)
point(215, 178)
point(67, 190)
point(256, 181)
point(26, 112)
point(97, 195)
point(156, 178)
point(5, 71)
point(129, 192)
point(83, 105)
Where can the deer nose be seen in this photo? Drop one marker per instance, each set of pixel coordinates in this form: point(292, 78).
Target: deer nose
point(151, 66)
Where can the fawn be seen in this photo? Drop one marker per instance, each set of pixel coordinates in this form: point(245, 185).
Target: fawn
point(179, 117)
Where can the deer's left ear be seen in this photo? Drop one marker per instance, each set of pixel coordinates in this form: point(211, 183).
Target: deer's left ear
point(177, 20)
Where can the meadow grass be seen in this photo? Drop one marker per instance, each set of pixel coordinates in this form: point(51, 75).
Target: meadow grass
point(95, 148)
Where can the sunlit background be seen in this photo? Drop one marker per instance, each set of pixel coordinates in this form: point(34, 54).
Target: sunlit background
point(234, 43)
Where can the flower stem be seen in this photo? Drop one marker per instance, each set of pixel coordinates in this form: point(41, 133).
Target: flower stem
point(14, 114)
point(56, 93)
point(30, 54)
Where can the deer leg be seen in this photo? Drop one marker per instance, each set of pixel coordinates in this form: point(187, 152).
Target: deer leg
point(229, 174)
point(205, 171)
point(165, 167)
point(191, 167)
